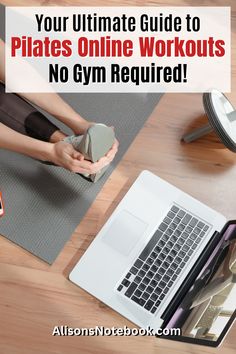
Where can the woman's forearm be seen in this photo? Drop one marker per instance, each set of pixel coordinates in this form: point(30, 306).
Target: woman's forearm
point(14, 141)
point(57, 107)
point(50, 102)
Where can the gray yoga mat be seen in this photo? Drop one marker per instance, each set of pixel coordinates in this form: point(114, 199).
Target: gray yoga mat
point(44, 204)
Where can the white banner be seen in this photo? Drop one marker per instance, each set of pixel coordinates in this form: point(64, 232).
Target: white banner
point(117, 49)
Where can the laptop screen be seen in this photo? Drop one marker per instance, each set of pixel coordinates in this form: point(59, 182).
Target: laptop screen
point(208, 309)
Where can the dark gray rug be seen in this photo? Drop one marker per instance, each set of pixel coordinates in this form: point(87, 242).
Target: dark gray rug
point(44, 204)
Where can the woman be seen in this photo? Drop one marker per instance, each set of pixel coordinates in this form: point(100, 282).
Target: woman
point(29, 132)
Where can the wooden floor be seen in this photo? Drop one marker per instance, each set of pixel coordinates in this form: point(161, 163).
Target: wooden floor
point(34, 297)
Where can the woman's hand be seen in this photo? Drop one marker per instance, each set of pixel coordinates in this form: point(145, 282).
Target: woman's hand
point(81, 126)
point(112, 152)
point(64, 155)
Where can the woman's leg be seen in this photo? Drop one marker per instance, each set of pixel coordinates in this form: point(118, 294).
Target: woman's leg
point(18, 114)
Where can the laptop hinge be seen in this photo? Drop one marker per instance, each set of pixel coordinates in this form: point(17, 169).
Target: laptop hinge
point(193, 273)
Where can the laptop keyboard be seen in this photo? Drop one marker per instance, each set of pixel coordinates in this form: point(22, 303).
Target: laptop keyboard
point(162, 260)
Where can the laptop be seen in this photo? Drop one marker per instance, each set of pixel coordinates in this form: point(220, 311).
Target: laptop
point(160, 261)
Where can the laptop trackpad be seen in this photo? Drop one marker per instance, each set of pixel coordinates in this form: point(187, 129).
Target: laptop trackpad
point(124, 232)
